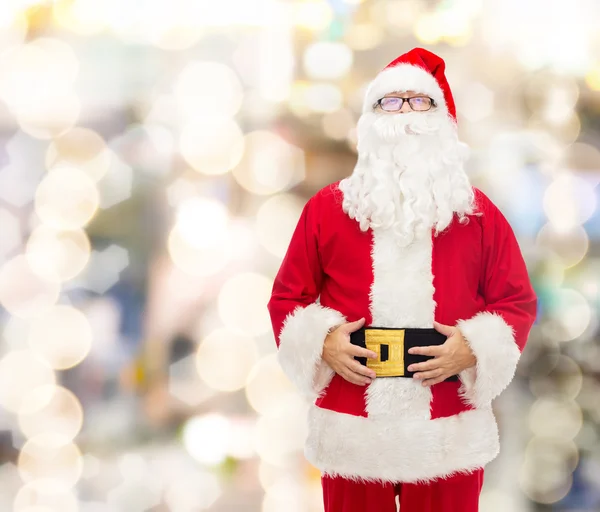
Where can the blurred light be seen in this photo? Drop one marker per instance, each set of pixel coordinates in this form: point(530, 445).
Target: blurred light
point(564, 380)
point(157, 146)
point(47, 112)
point(588, 397)
point(208, 88)
point(44, 60)
point(37, 509)
point(196, 261)
point(241, 442)
point(268, 473)
point(428, 29)
point(546, 473)
point(242, 300)
point(206, 438)
point(197, 242)
point(45, 118)
point(401, 15)
point(171, 26)
point(182, 189)
point(11, 232)
point(133, 467)
point(81, 148)
point(567, 131)
point(270, 164)
point(363, 36)
point(323, 97)
point(592, 78)
point(24, 292)
point(297, 101)
point(193, 491)
point(326, 60)
point(570, 315)
point(21, 372)
point(62, 336)
point(135, 496)
point(338, 124)
point(569, 201)
point(50, 456)
point(553, 417)
point(268, 389)
point(242, 243)
point(104, 268)
point(62, 254)
point(202, 222)
point(312, 14)
point(569, 246)
point(51, 409)
point(48, 494)
point(212, 145)
point(280, 435)
point(287, 494)
point(85, 17)
point(66, 199)
point(560, 102)
point(587, 438)
point(496, 500)
point(185, 383)
point(91, 466)
point(13, 25)
point(116, 185)
point(276, 220)
point(581, 157)
point(225, 358)
point(476, 102)
point(276, 60)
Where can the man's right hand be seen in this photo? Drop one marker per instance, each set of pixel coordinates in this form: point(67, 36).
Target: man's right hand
point(339, 354)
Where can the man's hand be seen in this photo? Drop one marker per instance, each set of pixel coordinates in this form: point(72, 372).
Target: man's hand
point(452, 357)
point(339, 354)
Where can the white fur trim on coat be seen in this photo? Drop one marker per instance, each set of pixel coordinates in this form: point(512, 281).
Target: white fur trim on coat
point(492, 341)
point(386, 449)
point(403, 77)
point(301, 345)
point(401, 296)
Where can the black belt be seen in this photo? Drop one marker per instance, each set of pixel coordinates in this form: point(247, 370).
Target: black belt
point(391, 346)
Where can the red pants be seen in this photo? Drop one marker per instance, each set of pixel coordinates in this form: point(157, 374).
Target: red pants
point(459, 493)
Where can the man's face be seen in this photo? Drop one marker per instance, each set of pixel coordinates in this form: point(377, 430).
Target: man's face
point(392, 103)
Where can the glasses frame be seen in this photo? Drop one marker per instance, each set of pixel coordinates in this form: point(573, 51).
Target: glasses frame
point(378, 104)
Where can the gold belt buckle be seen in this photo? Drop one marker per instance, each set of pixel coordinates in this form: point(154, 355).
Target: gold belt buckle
point(394, 339)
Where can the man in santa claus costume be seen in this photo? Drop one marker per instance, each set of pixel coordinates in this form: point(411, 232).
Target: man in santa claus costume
point(401, 308)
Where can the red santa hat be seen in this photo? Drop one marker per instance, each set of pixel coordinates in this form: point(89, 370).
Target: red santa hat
point(418, 70)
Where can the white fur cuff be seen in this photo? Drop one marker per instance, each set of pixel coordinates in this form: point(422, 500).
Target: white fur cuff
point(301, 345)
point(492, 341)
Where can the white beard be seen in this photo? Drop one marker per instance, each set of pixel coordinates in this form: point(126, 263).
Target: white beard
point(409, 176)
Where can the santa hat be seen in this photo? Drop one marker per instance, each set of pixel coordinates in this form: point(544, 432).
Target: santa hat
point(418, 70)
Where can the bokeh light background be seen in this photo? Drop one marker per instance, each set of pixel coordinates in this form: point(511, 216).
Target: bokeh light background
point(155, 157)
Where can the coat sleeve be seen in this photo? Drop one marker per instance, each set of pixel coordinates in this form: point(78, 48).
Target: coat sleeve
point(300, 323)
point(497, 335)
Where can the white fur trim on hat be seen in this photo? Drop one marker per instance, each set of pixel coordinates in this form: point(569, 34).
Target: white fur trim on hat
point(400, 78)
point(301, 345)
point(492, 341)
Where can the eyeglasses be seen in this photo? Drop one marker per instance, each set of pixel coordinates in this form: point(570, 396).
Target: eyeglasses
point(393, 104)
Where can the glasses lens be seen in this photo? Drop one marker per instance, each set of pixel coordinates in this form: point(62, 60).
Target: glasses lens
point(390, 104)
point(420, 103)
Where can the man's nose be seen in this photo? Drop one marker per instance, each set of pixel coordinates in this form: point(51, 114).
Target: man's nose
point(405, 108)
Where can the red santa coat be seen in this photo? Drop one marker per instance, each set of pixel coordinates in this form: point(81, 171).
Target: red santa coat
point(472, 275)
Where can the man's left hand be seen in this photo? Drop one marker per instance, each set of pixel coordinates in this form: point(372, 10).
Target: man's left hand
point(450, 358)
